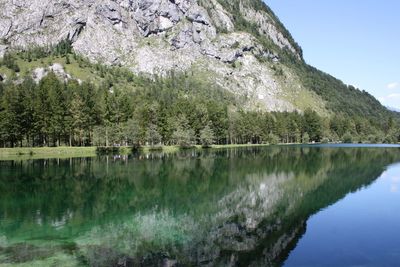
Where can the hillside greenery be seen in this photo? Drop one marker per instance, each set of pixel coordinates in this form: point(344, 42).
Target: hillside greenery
point(339, 97)
point(114, 107)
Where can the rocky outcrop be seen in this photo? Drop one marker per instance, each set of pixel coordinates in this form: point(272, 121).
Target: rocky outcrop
point(267, 27)
point(155, 36)
point(56, 68)
point(3, 50)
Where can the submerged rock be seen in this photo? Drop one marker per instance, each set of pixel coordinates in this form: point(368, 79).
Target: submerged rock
point(22, 252)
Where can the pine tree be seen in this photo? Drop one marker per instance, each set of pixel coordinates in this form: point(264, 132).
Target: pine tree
point(153, 136)
point(12, 115)
point(67, 60)
point(91, 110)
point(78, 117)
point(58, 107)
point(313, 125)
point(207, 136)
point(306, 138)
point(43, 110)
point(131, 132)
point(26, 92)
point(184, 135)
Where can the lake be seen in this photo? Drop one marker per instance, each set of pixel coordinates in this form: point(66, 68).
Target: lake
point(258, 206)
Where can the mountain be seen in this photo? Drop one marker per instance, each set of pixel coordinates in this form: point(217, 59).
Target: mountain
point(241, 43)
point(237, 47)
point(393, 109)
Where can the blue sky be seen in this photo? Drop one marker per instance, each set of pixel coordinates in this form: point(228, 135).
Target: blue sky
point(357, 41)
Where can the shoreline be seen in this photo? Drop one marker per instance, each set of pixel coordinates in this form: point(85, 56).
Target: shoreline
point(22, 153)
point(26, 153)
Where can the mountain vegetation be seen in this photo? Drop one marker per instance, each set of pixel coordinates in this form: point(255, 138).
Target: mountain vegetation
point(177, 109)
point(95, 104)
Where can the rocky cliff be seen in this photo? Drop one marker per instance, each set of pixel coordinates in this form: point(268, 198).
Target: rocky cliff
point(238, 45)
point(237, 42)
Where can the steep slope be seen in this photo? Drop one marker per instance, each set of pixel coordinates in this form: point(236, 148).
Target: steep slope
point(241, 44)
point(161, 35)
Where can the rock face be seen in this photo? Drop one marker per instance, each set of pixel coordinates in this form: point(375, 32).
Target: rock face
point(155, 36)
point(39, 73)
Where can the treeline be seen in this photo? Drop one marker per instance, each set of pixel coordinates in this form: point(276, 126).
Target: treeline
point(179, 109)
point(184, 109)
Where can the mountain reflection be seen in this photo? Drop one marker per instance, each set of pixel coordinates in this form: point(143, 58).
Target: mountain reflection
point(228, 207)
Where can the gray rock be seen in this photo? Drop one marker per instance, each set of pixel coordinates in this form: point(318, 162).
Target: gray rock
point(154, 36)
point(198, 15)
point(3, 50)
point(77, 24)
point(183, 38)
point(40, 73)
point(110, 11)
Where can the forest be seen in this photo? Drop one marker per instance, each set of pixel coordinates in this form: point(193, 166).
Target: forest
point(176, 109)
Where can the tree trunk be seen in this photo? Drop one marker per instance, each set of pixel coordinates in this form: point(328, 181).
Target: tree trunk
point(106, 137)
point(90, 137)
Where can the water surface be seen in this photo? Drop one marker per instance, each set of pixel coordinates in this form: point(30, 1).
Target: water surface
point(271, 206)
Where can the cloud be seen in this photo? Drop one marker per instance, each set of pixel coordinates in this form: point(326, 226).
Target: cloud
point(392, 101)
point(391, 96)
point(393, 85)
point(385, 99)
point(394, 187)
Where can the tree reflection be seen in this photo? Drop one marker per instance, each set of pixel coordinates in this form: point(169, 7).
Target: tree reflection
point(245, 207)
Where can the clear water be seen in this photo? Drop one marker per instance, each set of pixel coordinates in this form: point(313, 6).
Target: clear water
point(271, 206)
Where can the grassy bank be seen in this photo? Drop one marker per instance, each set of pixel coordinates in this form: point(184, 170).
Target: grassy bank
point(71, 152)
point(46, 152)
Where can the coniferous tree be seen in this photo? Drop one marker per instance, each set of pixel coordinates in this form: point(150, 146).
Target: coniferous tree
point(207, 136)
point(313, 125)
point(153, 137)
point(12, 115)
point(127, 107)
point(27, 88)
point(183, 135)
point(78, 117)
point(306, 138)
point(43, 110)
point(58, 106)
point(131, 133)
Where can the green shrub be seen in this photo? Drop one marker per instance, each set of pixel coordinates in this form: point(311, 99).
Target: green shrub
point(347, 138)
point(272, 139)
point(325, 140)
point(306, 138)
